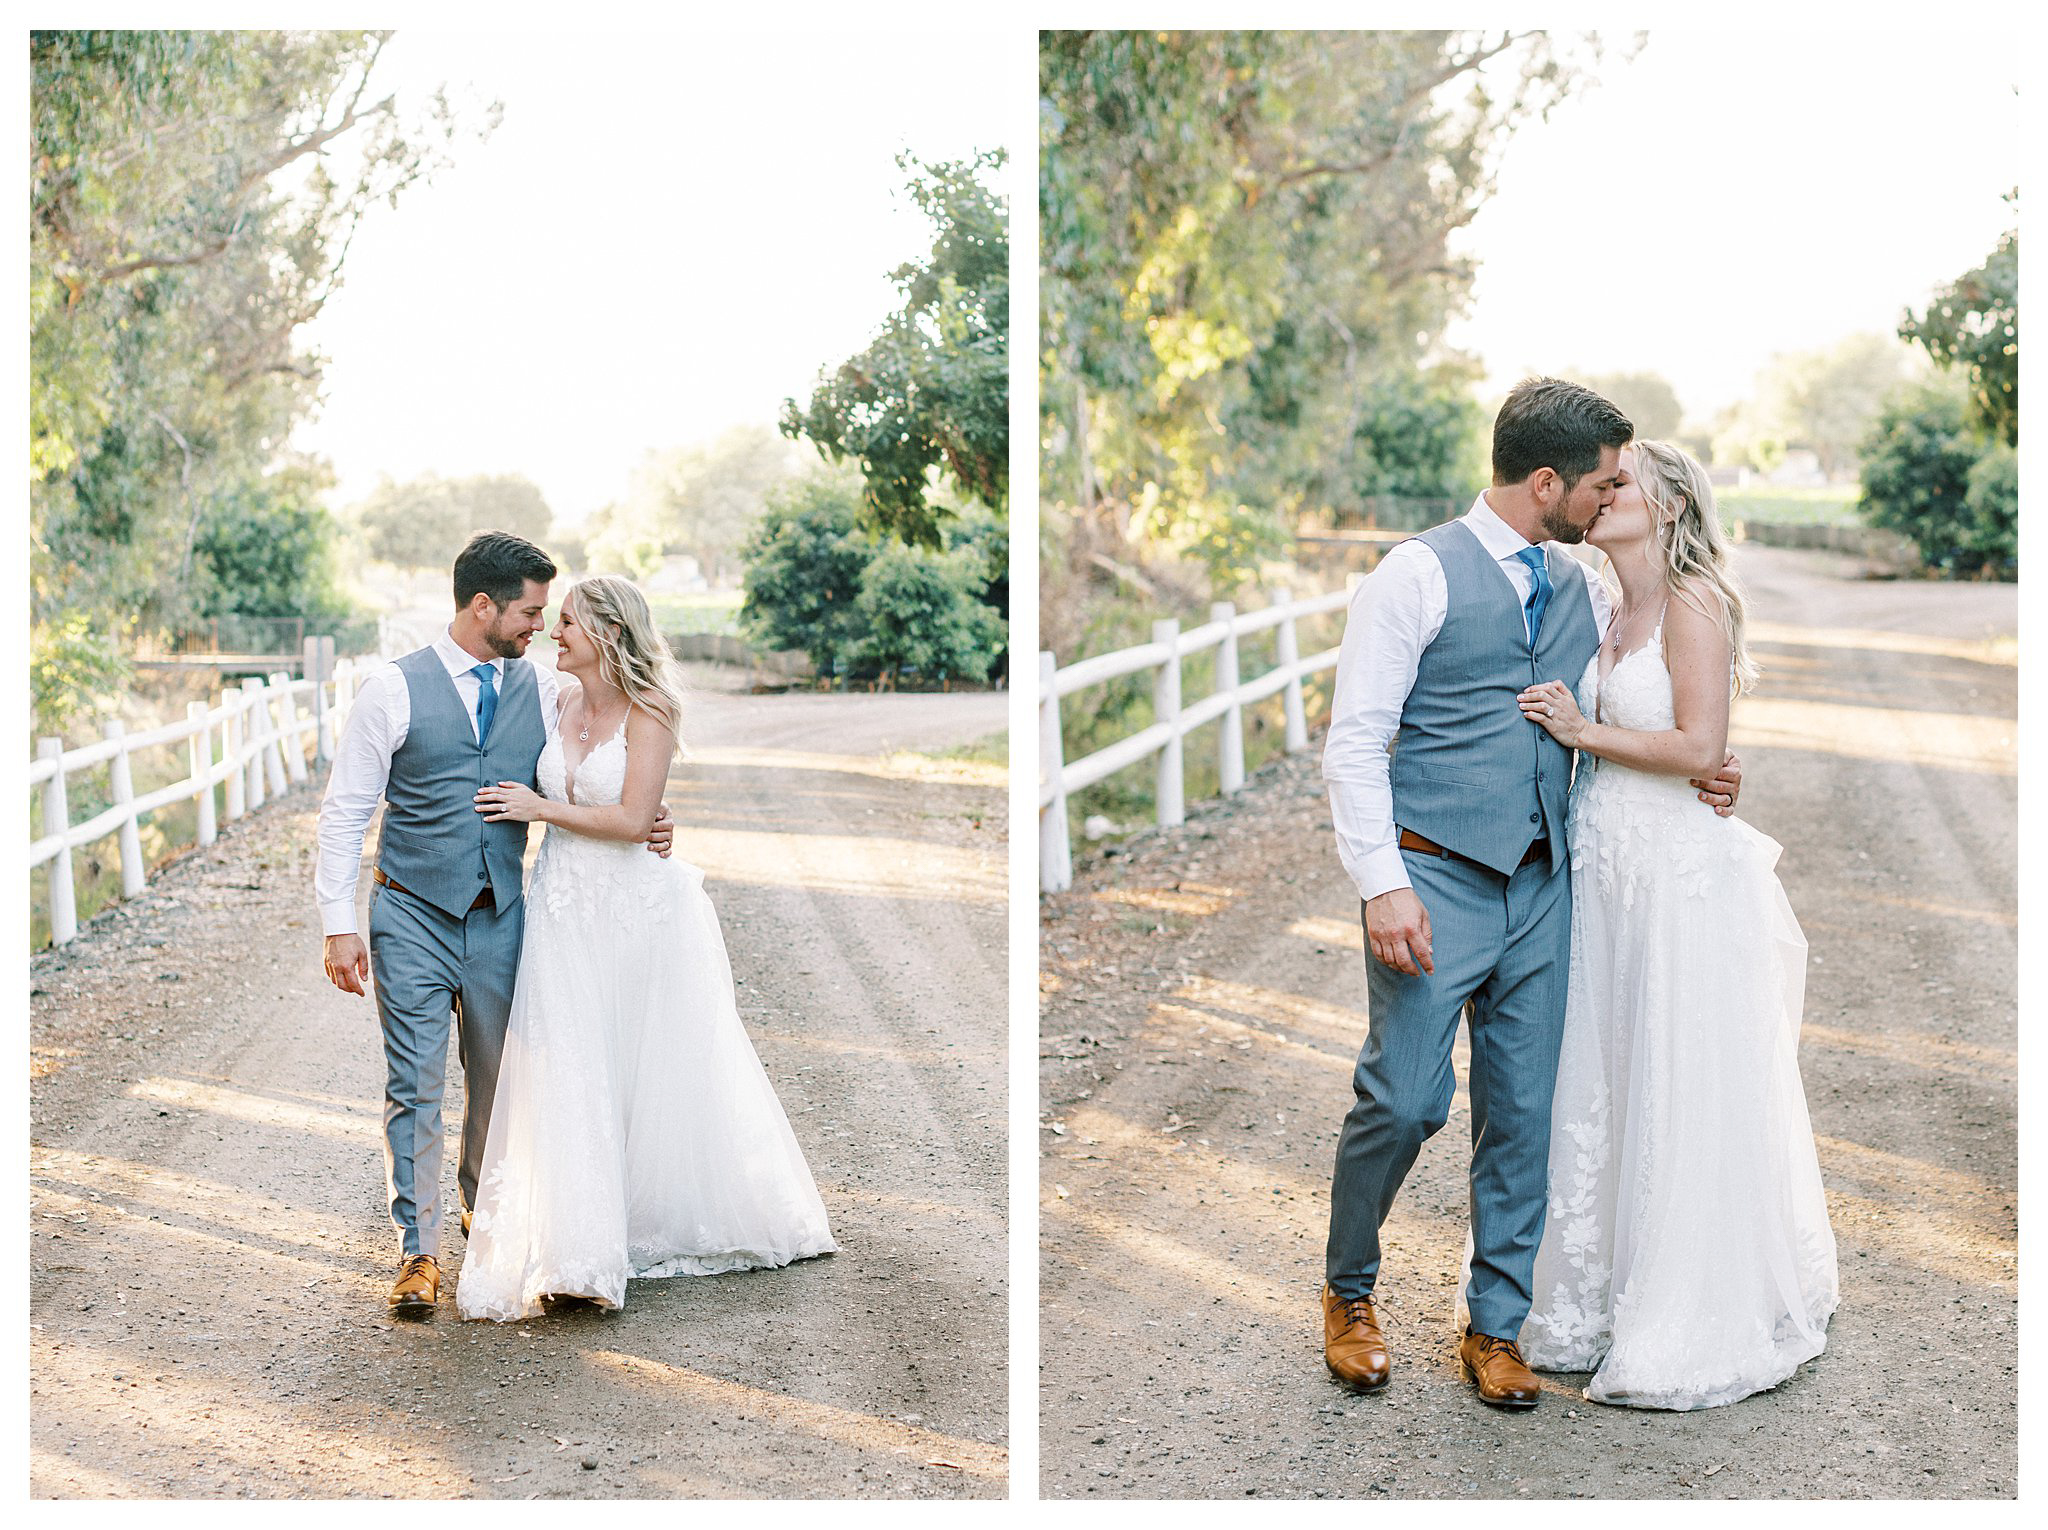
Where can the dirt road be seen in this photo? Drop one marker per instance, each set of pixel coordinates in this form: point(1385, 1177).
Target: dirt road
point(1204, 1000)
point(210, 1252)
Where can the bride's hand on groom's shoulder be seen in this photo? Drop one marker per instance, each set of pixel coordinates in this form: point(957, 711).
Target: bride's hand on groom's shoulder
point(508, 800)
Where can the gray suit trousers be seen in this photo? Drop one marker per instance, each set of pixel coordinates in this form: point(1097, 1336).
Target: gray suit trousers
point(430, 967)
point(1503, 946)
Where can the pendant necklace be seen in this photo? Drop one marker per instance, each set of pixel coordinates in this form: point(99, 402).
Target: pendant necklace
point(1622, 626)
point(584, 736)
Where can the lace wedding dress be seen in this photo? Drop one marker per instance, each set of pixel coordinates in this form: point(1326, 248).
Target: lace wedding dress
point(634, 1133)
point(1687, 1259)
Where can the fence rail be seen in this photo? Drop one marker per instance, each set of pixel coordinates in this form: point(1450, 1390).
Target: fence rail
point(264, 738)
point(1172, 720)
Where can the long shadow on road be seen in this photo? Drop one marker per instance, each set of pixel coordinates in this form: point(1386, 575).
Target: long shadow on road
point(1203, 1001)
point(210, 1250)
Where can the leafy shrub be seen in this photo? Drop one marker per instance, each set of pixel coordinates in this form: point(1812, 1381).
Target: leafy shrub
point(1917, 468)
point(804, 561)
point(923, 611)
point(74, 668)
point(266, 549)
point(1993, 500)
point(816, 581)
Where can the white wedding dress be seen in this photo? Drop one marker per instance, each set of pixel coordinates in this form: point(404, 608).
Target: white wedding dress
point(1687, 1259)
point(634, 1133)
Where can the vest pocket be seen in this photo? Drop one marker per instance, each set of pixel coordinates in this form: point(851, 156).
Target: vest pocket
point(1448, 773)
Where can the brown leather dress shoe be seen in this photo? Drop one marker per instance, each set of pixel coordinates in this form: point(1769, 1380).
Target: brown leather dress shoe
point(1352, 1346)
point(1496, 1364)
point(418, 1287)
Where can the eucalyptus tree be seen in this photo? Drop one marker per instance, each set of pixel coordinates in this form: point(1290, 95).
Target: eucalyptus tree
point(1247, 268)
point(193, 196)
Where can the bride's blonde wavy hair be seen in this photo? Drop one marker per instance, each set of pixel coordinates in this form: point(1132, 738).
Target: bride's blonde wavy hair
point(631, 654)
point(1692, 547)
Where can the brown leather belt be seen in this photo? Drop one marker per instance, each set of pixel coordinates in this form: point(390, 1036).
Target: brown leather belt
point(484, 899)
point(1410, 840)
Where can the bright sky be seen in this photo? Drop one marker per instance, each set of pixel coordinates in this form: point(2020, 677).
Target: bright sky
point(667, 236)
point(1730, 195)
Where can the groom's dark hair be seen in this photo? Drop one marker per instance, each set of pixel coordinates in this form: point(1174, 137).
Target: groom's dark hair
point(1547, 422)
point(498, 564)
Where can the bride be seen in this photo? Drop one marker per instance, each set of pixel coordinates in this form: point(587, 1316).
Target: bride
point(634, 1133)
point(1686, 1258)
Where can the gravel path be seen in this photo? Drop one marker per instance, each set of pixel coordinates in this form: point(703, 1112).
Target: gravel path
point(1203, 1003)
point(209, 1249)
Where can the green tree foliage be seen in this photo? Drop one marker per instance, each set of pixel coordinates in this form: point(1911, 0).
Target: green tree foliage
point(1974, 325)
point(1245, 259)
point(930, 394)
point(74, 668)
point(818, 580)
point(192, 199)
point(422, 523)
point(985, 536)
point(414, 525)
point(1649, 401)
point(1993, 503)
point(804, 562)
point(1922, 479)
point(267, 550)
point(1824, 400)
point(700, 500)
point(1420, 435)
point(506, 502)
point(923, 610)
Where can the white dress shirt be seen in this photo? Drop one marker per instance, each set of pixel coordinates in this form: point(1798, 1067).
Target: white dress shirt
point(1397, 611)
point(377, 725)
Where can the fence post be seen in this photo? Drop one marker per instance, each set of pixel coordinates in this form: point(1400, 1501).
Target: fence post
point(57, 820)
point(1170, 791)
point(122, 779)
point(1229, 743)
point(272, 734)
point(1055, 852)
point(252, 742)
point(290, 738)
point(231, 753)
point(201, 746)
point(319, 667)
point(1290, 659)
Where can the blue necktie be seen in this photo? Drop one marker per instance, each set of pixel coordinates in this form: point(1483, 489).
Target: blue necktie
point(486, 700)
point(1539, 590)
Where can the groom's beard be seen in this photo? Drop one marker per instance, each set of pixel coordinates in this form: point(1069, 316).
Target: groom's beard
point(1557, 527)
point(513, 647)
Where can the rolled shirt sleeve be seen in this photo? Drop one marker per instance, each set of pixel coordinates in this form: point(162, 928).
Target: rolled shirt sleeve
point(1396, 613)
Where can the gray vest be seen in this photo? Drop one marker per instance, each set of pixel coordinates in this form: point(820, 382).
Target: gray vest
point(1469, 772)
point(435, 843)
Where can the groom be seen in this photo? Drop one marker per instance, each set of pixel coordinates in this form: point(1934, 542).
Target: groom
point(1455, 840)
point(424, 733)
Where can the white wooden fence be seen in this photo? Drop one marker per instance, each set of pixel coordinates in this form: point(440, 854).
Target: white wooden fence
point(264, 730)
point(1172, 721)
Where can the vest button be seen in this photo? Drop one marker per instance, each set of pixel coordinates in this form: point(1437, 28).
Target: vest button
point(480, 875)
point(1535, 818)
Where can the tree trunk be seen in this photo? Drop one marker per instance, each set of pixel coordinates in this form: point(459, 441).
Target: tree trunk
point(1086, 489)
